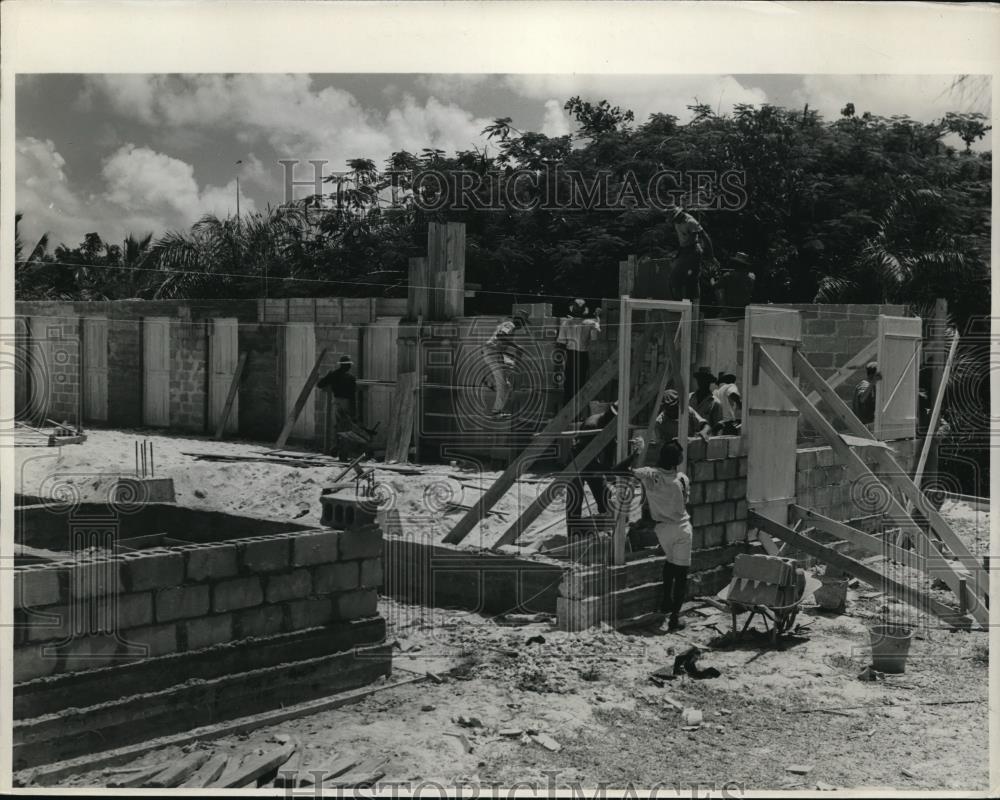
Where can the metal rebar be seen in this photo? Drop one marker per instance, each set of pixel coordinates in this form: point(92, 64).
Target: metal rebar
point(137, 458)
point(152, 464)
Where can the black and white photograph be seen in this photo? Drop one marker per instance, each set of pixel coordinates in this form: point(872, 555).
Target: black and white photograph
point(533, 418)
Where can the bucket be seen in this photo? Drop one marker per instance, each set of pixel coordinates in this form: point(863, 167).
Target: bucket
point(832, 595)
point(890, 646)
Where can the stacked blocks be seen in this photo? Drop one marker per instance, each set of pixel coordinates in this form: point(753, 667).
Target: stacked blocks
point(347, 511)
point(760, 580)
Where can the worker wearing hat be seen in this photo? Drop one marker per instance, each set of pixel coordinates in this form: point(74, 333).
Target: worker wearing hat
point(593, 474)
point(692, 243)
point(576, 332)
point(349, 437)
point(500, 354)
point(666, 421)
point(737, 285)
point(704, 401)
point(863, 401)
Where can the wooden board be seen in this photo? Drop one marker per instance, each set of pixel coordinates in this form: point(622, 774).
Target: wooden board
point(718, 348)
point(156, 371)
point(299, 356)
point(770, 438)
point(899, 362)
point(379, 359)
point(302, 402)
point(95, 369)
point(223, 358)
point(418, 291)
point(857, 362)
point(227, 408)
point(403, 416)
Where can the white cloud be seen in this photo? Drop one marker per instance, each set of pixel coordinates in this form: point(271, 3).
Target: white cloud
point(557, 121)
point(144, 191)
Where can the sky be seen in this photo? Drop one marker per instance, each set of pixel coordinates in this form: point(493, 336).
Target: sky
point(121, 153)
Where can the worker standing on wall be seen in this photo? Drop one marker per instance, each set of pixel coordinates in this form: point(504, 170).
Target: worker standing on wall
point(667, 493)
point(731, 402)
point(576, 331)
point(666, 422)
point(736, 286)
point(704, 401)
point(863, 401)
point(500, 353)
point(692, 244)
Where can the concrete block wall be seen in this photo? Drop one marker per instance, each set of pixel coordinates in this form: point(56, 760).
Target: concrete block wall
point(62, 341)
point(182, 599)
point(189, 375)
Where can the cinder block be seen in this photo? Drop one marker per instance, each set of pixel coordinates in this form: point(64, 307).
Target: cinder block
point(95, 578)
point(52, 623)
point(698, 539)
point(741, 509)
point(235, 594)
point(206, 631)
point(355, 605)
point(179, 602)
point(703, 471)
point(715, 535)
point(30, 663)
point(718, 448)
point(340, 577)
point(736, 532)
point(144, 571)
point(696, 449)
point(742, 471)
point(371, 572)
point(288, 586)
point(697, 492)
point(124, 611)
point(735, 447)
point(310, 613)
point(158, 639)
point(344, 512)
point(259, 621)
point(361, 543)
point(211, 563)
point(736, 489)
point(701, 515)
point(266, 554)
point(715, 492)
point(729, 468)
point(317, 547)
point(34, 587)
point(89, 652)
point(724, 512)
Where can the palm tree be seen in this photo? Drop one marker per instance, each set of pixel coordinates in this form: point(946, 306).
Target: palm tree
point(24, 268)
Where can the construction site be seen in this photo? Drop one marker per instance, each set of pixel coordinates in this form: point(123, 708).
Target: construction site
point(227, 576)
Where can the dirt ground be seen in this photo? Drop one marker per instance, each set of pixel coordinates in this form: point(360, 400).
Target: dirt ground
point(510, 690)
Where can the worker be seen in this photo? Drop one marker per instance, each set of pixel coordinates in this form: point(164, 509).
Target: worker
point(667, 493)
point(592, 474)
point(349, 438)
point(576, 332)
point(500, 354)
point(666, 421)
point(343, 385)
point(863, 401)
point(692, 243)
point(736, 287)
point(731, 402)
point(704, 401)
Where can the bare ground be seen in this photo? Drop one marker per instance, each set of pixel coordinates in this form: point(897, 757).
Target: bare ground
point(590, 692)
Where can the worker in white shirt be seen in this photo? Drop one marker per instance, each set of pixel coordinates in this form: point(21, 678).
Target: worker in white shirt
point(731, 401)
point(500, 354)
point(576, 331)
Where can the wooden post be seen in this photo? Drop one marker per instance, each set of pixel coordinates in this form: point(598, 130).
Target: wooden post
point(300, 401)
point(418, 291)
point(942, 386)
point(234, 386)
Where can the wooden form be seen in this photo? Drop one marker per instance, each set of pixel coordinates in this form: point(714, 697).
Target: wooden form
point(918, 475)
point(867, 353)
point(899, 341)
point(300, 401)
point(891, 476)
point(856, 569)
point(445, 270)
point(397, 443)
point(539, 446)
point(234, 386)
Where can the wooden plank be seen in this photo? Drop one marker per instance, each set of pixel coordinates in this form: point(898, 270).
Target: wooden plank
point(538, 447)
point(231, 396)
point(866, 354)
point(418, 291)
point(300, 401)
point(918, 475)
point(208, 773)
point(857, 468)
point(899, 340)
point(858, 570)
point(253, 768)
point(575, 467)
point(290, 774)
point(398, 446)
point(180, 771)
point(363, 774)
point(137, 779)
point(771, 438)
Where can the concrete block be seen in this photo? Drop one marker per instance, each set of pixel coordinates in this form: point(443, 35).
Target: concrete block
point(361, 543)
point(736, 489)
point(703, 471)
point(180, 602)
point(89, 652)
point(743, 468)
point(259, 621)
point(701, 515)
point(355, 605)
point(288, 586)
point(822, 327)
point(718, 448)
point(52, 623)
point(211, 563)
point(741, 509)
point(340, 577)
point(36, 586)
point(235, 594)
point(698, 539)
point(270, 554)
point(30, 663)
point(310, 613)
point(124, 611)
point(736, 531)
point(715, 491)
point(206, 631)
point(345, 511)
point(697, 492)
point(95, 578)
point(696, 449)
point(152, 570)
point(371, 573)
point(735, 446)
point(724, 470)
point(715, 535)
point(158, 639)
point(724, 512)
point(317, 547)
